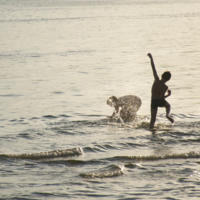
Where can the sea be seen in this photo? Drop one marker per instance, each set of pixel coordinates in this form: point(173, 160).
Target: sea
point(60, 60)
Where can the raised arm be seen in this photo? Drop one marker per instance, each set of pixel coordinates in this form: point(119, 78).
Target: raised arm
point(153, 67)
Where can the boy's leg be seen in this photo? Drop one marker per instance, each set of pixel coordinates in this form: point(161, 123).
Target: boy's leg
point(168, 108)
point(153, 117)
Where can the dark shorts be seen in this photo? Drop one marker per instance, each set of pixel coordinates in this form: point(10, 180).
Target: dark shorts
point(155, 103)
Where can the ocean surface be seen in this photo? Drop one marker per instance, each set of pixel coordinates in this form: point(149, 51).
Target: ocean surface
point(60, 60)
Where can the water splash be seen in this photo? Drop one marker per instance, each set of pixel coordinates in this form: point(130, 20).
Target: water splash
point(112, 172)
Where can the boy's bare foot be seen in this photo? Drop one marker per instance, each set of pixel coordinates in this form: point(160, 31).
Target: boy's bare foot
point(170, 119)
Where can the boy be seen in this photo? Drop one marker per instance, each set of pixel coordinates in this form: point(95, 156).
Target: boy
point(129, 105)
point(158, 94)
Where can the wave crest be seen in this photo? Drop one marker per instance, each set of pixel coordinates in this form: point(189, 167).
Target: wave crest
point(192, 154)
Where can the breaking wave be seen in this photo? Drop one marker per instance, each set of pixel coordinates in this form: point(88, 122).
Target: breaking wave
point(50, 154)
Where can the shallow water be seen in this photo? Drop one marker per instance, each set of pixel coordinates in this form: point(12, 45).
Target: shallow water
point(60, 61)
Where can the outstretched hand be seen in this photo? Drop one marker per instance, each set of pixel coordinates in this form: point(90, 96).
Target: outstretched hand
point(150, 56)
point(109, 117)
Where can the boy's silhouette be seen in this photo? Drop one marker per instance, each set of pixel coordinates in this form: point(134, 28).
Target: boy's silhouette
point(158, 94)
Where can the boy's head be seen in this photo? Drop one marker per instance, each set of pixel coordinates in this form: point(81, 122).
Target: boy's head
point(112, 101)
point(166, 75)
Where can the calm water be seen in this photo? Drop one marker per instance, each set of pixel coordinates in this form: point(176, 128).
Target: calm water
point(60, 60)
